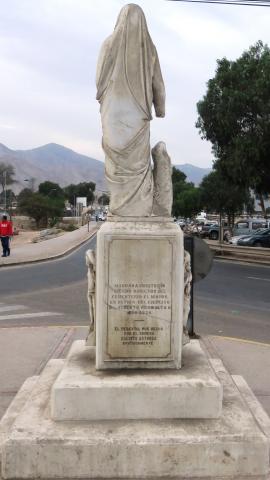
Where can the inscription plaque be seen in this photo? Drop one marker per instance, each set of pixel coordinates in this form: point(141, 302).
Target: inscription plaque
point(139, 303)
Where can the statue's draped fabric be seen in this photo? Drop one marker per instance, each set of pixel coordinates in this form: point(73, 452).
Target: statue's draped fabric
point(129, 81)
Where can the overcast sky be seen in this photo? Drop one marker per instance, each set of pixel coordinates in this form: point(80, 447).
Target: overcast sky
point(48, 55)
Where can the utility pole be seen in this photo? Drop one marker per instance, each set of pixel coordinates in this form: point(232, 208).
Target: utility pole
point(5, 190)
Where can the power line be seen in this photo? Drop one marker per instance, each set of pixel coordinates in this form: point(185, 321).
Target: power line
point(250, 3)
point(257, 3)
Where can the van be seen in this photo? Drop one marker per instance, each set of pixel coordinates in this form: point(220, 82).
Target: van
point(248, 226)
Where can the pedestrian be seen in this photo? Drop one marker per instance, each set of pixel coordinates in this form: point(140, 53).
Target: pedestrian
point(227, 236)
point(6, 231)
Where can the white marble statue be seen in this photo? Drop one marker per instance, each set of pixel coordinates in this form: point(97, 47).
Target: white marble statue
point(129, 82)
point(162, 174)
point(187, 291)
point(91, 290)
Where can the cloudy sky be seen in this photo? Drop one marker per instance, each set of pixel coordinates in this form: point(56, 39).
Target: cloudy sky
point(48, 55)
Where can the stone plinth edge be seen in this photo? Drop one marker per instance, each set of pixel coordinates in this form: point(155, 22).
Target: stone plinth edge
point(232, 447)
point(82, 393)
point(153, 219)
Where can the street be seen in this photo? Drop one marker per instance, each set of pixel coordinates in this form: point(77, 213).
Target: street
point(53, 293)
point(232, 301)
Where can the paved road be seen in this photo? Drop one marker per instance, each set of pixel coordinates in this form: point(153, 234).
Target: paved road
point(232, 301)
point(52, 293)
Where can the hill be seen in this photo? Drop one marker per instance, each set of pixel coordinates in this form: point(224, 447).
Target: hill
point(55, 163)
point(64, 166)
point(194, 174)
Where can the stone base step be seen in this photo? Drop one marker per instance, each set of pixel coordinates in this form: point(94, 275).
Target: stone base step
point(235, 446)
point(83, 393)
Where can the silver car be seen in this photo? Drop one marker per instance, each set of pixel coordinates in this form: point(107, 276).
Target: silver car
point(234, 240)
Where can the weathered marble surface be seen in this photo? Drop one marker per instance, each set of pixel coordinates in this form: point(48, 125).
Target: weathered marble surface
point(140, 275)
point(162, 174)
point(129, 82)
point(187, 294)
point(90, 257)
point(192, 392)
point(234, 446)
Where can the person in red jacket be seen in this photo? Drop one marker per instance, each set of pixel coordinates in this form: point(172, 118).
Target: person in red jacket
point(6, 231)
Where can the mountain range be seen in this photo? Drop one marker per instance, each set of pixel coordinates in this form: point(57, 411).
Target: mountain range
point(52, 162)
point(64, 166)
point(194, 174)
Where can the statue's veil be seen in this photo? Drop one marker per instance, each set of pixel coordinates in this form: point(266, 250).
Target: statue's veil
point(130, 46)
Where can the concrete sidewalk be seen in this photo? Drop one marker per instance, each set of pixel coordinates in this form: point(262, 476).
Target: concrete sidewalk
point(49, 249)
point(25, 351)
point(247, 358)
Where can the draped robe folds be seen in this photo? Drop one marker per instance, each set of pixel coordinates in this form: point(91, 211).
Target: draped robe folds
point(129, 81)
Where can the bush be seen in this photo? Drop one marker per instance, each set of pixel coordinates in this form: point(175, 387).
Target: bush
point(70, 227)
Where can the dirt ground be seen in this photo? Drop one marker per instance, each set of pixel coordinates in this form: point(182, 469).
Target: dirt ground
point(24, 237)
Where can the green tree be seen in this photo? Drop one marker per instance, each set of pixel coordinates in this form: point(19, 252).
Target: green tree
point(24, 193)
point(220, 195)
point(51, 189)
point(43, 209)
point(83, 189)
point(187, 203)
point(7, 173)
point(235, 116)
point(186, 197)
point(178, 177)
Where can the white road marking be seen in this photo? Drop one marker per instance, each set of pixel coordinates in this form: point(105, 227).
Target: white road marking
point(9, 308)
point(260, 278)
point(29, 315)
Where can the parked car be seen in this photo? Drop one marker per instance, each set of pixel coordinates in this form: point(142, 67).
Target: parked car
point(234, 239)
point(213, 232)
point(258, 239)
point(248, 226)
point(241, 228)
point(204, 231)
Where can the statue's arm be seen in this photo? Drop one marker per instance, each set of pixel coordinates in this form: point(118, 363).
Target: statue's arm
point(158, 90)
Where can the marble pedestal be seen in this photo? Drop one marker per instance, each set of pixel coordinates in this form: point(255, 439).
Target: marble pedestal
point(139, 294)
point(83, 393)
point(233, 446)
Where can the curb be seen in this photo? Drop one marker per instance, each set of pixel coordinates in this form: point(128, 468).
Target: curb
point(218, 254)
point(241, 254)
point(251, 261)
point(51, 257)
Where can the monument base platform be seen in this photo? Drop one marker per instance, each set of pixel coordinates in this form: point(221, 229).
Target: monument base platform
point(234, 446)
point(83, 393)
